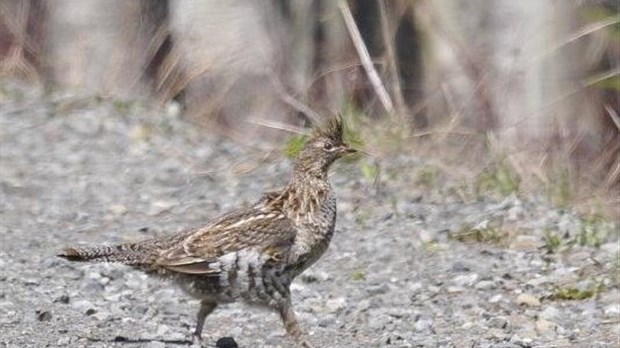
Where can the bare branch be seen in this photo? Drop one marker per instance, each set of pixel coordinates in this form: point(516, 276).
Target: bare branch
point(362, 51)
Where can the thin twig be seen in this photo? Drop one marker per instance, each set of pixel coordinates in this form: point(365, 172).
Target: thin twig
point(362, 51)
point(613, 115)
point(388, 39)
point(278, 125)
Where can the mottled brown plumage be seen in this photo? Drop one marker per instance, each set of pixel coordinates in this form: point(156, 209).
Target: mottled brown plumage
point(250, 254)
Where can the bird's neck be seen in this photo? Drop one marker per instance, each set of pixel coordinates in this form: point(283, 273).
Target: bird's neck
point(305, 193)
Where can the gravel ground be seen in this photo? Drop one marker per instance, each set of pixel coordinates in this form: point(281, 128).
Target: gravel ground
point(411, 264)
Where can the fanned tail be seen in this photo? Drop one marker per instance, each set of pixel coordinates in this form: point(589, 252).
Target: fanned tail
point(129, 254)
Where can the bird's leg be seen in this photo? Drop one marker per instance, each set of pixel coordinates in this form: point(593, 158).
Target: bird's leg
point(206, 307)
point(285, 309)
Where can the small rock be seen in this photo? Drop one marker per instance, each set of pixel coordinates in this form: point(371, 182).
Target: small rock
point(118, 209)
point(550, 313)
point(455, 289)
point(433, 289)
point(100, 316)
point(113, 271)
point(497, 334)
point(378, 322)
point(64, 298)
point(336, 305)
point(460, 266)
point(498, 322)
point(159, 207)
point(544, 327)
point(43, 315)
point(423, 325)
point(378, 289)
point(398, 312)
point(465, 280)
point(521, 342)
point(162, 330)
point(226, 342)
point(163, 295)
point(526, 243)
point(486, 285)
point(612, 310)
point(311, 276)
point(497, 298)
point(93, 282)
point(327, 321)
point(612, 248)
point(363, 305)
point(63, 341)
point(427, 236)
point(82, 306)
point(135, 281)
point(528, 300)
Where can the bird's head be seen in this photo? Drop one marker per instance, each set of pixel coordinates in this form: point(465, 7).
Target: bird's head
point(324, 146)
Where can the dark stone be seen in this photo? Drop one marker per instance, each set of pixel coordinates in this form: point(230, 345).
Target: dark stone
point(226, 342)
point(43, 315)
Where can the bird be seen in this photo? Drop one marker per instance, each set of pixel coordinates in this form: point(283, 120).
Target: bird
point(250, 254)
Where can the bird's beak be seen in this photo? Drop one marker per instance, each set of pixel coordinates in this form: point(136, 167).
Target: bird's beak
point(346, 149)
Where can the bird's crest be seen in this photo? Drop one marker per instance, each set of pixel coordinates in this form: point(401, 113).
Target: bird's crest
point(332, 128)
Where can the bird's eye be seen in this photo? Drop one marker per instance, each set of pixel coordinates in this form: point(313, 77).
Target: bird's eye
point(328, 146)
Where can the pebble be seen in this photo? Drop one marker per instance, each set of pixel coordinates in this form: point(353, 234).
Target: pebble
point(63, 341)
point(378, 322)
point(545, 326)
point(550, 313)
point(162, 330)
point(43, 315)
point(93, 282)
point(462, 266)
point(118, 209)
point(497, 322)
point(497, 298)
point(486, 285)
point(363, 305)
point(378, 289)
point(398, 312)
point(455, 289)
point(423, 325)
point(82, 306)
point(465, 280)
point(528, 300)
point(612, 310)
point(336, 305)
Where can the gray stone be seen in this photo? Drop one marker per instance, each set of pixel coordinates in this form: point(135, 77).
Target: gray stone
point(497, 322)
point(528, 300)
point(423, 325)
point(465, 280)
point(336, 305)
point(486, 285)
point(550, 313)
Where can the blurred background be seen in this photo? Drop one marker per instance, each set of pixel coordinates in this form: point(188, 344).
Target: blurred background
point(514, 96)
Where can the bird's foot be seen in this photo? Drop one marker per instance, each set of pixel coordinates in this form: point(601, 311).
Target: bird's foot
point(196, 340)
point(304, 343)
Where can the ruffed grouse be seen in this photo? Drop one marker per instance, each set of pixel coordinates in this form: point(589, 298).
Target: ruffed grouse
point(251, 254)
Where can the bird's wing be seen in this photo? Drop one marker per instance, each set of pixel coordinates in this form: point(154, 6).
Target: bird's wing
point(270, 234)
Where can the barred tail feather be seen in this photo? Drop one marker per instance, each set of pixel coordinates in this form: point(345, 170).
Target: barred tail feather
point(129, 254)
